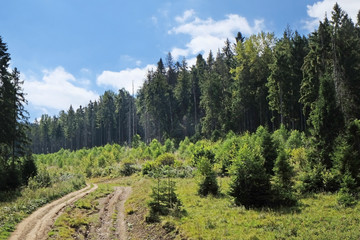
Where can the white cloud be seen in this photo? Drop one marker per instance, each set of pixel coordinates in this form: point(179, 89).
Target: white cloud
point(124, 78)
point(56, 91)
point(208, 34)
point(187, 14)
point(317, 11)
point(177, 52)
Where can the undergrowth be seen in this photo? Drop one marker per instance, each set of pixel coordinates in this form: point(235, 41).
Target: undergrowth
point(27, 200)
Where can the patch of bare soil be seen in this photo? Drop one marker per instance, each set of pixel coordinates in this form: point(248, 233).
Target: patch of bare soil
point(38, 224)
point(112, 223)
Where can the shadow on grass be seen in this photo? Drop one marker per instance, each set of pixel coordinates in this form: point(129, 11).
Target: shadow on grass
point(277, 209)
point(9, 196)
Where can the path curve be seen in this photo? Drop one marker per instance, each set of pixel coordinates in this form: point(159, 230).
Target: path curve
point(38, 224)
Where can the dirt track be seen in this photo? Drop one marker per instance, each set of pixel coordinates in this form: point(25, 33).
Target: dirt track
point(38, 224)
point(112, 223)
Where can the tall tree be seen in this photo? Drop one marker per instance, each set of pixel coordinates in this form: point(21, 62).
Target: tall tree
point(285, 79)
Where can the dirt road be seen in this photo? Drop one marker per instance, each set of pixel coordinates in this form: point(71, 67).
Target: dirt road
point(38, 224)
point(112, 219)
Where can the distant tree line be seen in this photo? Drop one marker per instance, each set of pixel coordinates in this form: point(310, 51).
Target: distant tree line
point(16, 163)
point(304, 83)
point(111, 119)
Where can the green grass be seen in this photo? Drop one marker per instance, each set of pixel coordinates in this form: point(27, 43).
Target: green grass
point(316, 217)
point(26, 201)
point(76, 218)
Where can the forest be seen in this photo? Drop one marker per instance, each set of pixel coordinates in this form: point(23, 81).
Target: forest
point(267, 119)
point(298, 81)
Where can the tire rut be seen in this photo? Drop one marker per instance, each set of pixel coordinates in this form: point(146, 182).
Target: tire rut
point(112, 217)
point(38, 224)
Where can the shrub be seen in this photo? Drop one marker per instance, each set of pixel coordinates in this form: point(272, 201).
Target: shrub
point(250, 185)
point(155, 148)
point(312, 179)
point(347, 153)
point(169, 146)
point(208, 183)
point(282, 187)
point(294, 140)
point(163, 199)
point(348, 191)
point(127, 168)
point(227, 153)
point(203, 149)
point(136, 141)
point(165, 159)
point(268, 148)
point(148, 166)
point(280, 136)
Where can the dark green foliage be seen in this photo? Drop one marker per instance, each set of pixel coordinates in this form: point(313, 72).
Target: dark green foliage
point(312, 178)
point(285, 78)
point(348, 193)
point(250, 184)
point(127, 169)
point(282, 186)
point(208, 183)
point(347, 154)
point(324, 117)
point(14, 142)
point(28, 168)
point(268, 149)
point(163, 200)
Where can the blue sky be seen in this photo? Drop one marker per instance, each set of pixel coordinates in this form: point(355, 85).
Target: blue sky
point(71, 51)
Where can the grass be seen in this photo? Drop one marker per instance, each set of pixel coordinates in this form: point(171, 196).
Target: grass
point(75, 219)
point(316, 217)
point(26, 201)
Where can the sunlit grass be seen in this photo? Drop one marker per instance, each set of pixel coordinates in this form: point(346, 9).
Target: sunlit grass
point(27, 201)
point(317, 217)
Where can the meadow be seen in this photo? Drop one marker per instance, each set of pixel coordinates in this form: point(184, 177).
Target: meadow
point(155, 171)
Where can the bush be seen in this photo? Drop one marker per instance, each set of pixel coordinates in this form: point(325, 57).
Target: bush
point(155, 148)
point(268, 149)
point(282, 187)
point(165, 159)
point(280, 137)
point(347, 152)
point(250, 185)
point(227, 153)
point(148, 166)
point(294, 140)
point(208, 183)
point(348, 192)
point(169, 146)
point(203, 149)
point(127, 168)
point(163, 199)
point(312, 179)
